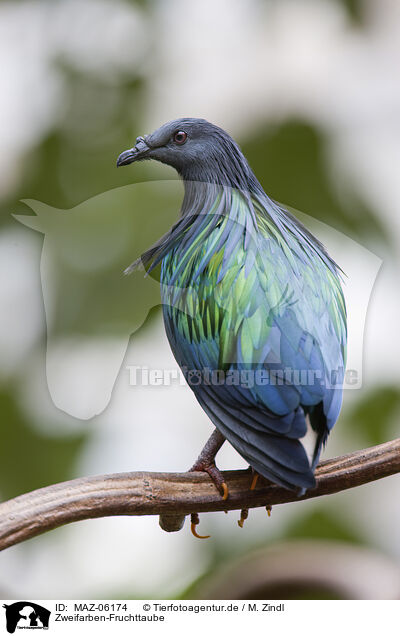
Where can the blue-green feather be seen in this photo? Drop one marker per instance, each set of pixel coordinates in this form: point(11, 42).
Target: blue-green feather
point(246, 287)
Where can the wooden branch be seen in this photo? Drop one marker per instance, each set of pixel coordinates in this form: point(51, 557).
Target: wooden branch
point(174, 495)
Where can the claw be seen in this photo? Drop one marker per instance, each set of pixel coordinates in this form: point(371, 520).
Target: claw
point(194, 522)
point(243, 516)
point(268, 509)
point(195, 534)
point(215, 476)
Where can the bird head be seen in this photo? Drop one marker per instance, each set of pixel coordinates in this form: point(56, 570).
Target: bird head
point(197, 149)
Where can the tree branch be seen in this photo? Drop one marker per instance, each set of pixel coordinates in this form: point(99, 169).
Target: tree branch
point(174, 495)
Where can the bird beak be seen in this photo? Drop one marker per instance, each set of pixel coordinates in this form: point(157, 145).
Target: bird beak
point(134, 154)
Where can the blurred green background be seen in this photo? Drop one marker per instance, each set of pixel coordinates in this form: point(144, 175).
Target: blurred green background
point(309, 90)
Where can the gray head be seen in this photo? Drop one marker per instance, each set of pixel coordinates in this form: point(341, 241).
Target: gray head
point(198, 150)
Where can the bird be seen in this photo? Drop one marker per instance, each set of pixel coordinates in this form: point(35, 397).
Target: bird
point(253, 308)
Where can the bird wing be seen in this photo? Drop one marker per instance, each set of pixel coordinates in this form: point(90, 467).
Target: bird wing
point(259, 305)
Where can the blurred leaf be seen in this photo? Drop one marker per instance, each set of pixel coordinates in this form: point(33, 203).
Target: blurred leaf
point(289, 161)
point(373, 417)
point(29, 460)
point(355, 10)
point(77, 159)
point(321, 524)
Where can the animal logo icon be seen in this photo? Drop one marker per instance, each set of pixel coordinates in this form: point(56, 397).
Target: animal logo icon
point(26, 615)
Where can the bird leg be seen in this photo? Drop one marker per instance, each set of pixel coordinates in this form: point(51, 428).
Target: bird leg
point(206, 462)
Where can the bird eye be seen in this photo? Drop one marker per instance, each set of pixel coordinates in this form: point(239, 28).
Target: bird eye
point(180, 137)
